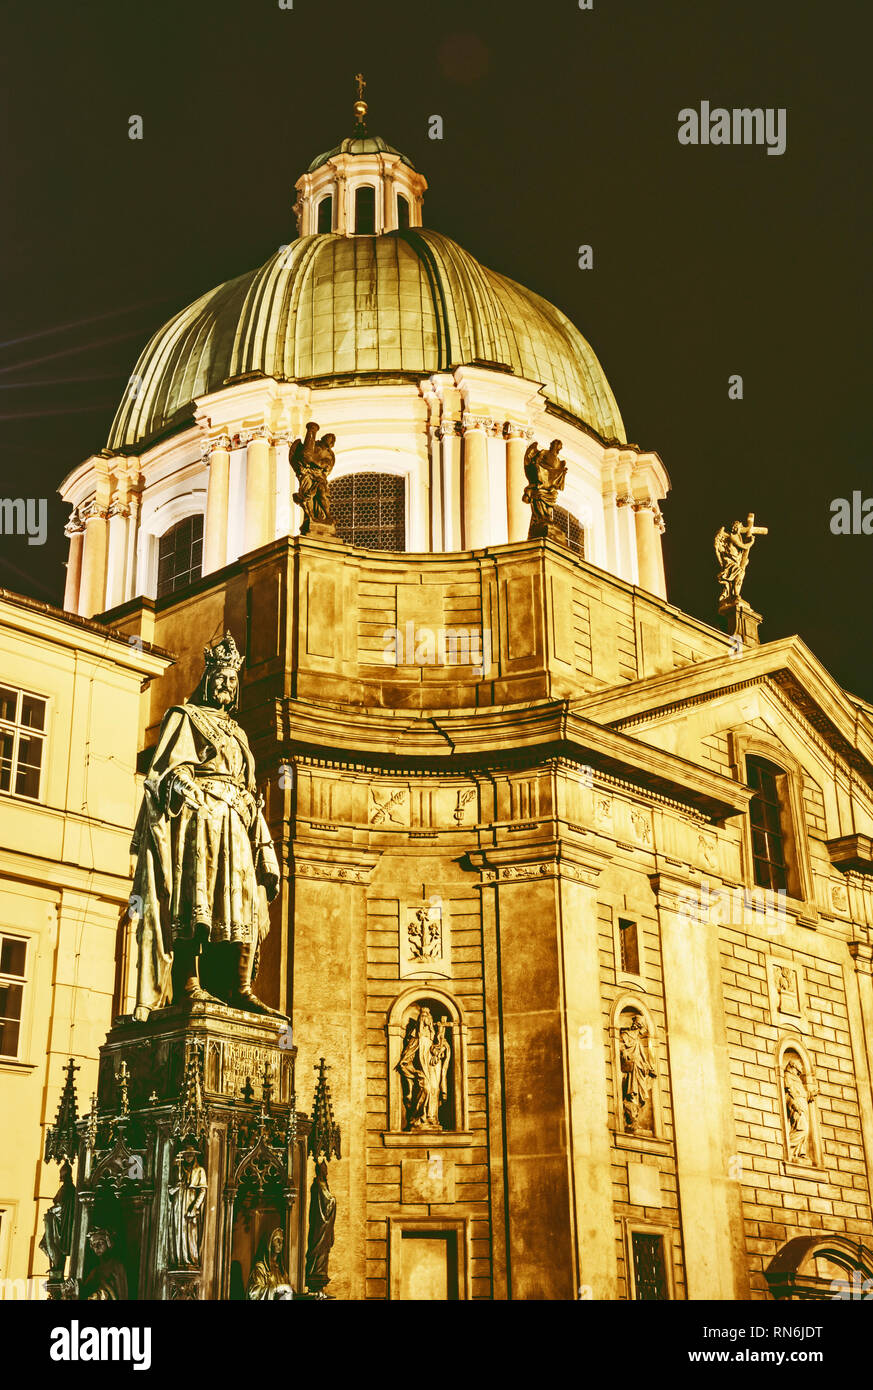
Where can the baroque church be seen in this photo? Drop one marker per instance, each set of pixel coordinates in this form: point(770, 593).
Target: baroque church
point(612, 865)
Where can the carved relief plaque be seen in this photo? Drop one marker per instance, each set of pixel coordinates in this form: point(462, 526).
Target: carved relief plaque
point(424, 947)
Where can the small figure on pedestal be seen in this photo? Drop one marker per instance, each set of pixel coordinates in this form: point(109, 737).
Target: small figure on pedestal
point(546, 474)
point(58, 1222)
point(187, 1200)
point(323, 1144)
point(322, 1219)
point(732, 553)
point(312, 461)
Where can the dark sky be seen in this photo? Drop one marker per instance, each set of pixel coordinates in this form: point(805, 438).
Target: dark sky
point(560, 128)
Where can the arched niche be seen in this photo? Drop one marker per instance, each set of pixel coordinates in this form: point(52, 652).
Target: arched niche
point(636, 1069)
point(798, 1090)
point(404, 1048)
point(822, 1266)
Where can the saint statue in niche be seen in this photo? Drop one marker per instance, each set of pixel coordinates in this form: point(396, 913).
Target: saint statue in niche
point(268, 1280)
point(187, 1201)
point(799, 1095)
point(424, 1068)
point(107, 1281)
point(637, 1076)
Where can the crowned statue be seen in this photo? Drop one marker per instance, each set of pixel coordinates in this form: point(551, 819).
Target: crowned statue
point(206, 867)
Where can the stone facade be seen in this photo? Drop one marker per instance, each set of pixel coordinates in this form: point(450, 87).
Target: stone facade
point(560, 807)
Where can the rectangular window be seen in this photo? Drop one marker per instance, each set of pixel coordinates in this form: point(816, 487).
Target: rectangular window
point(650, 1268)
point(13, 961)
point(22, 736)
point(767, 824)
point(629, 945)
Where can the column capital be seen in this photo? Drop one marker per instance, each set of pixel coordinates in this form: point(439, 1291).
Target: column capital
point(75, 524)
point(485, 423)
point(93, 510)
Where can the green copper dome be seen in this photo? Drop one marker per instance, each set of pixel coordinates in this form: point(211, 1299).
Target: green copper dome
point(335, 306)
point(359, 144)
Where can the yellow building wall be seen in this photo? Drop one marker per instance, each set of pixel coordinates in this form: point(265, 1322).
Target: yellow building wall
point(64, 883)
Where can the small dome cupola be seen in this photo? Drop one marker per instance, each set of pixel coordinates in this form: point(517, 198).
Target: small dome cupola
point(362, 187)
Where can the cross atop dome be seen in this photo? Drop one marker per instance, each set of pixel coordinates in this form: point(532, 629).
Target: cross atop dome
point(361, 187)
point(360, 106)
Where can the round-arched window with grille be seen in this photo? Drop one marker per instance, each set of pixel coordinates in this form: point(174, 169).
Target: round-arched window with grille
point(572, 529)
point(369, 509)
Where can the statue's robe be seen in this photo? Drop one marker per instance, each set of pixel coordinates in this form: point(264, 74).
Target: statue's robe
point(322, 1218)
point(268, 1279)
point(198, 866)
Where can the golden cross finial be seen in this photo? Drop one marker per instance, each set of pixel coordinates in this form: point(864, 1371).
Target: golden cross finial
point(360, 106)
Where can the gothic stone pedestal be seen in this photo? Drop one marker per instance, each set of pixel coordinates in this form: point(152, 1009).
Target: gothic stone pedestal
point(193, 1152)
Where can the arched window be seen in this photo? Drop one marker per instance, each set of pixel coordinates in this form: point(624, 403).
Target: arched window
point(325, 214)
point(567, 523)
point(369, 509)
point(402, 212)
point(180, 555)
point(365, 210)
point(770, 825)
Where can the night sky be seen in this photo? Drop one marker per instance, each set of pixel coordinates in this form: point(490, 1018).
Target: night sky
point(560, 128)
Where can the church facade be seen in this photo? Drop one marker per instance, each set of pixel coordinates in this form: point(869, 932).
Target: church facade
point(577, 891)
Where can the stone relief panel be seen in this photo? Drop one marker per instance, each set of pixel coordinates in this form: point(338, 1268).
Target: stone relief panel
point(424, 940)
point(388, 807)
point(787, 993)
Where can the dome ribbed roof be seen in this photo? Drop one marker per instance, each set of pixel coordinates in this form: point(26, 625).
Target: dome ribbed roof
point(359, 144)
point(328, 305)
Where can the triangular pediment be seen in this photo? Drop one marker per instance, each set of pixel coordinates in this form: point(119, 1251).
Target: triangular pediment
point(787, 669)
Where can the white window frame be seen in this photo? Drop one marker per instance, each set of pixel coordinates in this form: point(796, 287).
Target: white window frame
point(17, 729)
point(22, 980)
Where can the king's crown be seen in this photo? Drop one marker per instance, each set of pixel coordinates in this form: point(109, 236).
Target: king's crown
point(223, 655)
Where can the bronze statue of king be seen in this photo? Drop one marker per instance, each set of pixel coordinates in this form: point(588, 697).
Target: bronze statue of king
point(206, 867)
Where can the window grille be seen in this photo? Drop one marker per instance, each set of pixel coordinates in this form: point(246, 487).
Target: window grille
point(180, 555)
point(369, 509)
point(567, 523)
point(650, 1270)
